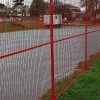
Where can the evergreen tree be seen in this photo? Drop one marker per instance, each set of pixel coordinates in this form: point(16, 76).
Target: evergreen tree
point(38, 7)
point(18, 2)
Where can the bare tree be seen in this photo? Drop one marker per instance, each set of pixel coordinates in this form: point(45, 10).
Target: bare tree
point(18, 2)
point(92, 7)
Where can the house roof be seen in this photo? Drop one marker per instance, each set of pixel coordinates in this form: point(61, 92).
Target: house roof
point(74, 8)
point(23, 7)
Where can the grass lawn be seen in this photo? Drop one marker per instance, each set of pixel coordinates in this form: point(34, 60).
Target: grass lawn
point(87, 87)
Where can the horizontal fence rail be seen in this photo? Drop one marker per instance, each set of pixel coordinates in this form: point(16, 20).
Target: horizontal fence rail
point(44, 44)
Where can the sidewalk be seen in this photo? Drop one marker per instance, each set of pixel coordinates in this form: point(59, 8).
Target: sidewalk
point(75, 24)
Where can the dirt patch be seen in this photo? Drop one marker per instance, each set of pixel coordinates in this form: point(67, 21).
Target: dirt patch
point(18, 26)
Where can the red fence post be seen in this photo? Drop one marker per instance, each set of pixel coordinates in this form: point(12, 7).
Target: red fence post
point(86, 37)
point(53, 97)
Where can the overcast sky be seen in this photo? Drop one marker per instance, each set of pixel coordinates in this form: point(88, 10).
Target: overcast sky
point(28, 2)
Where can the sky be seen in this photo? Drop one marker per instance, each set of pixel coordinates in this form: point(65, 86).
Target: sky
point(28, 2)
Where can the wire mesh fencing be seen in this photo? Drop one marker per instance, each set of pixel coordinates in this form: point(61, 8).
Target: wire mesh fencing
point(43, 49)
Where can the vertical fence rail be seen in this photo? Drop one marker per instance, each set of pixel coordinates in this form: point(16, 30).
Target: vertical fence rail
point(53, 97)
point(86, 36)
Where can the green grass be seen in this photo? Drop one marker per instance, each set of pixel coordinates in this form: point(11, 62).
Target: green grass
point(87, 87)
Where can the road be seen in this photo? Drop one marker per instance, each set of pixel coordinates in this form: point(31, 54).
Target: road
point(26, 76)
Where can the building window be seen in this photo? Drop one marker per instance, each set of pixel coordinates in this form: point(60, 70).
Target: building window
point(18, 10)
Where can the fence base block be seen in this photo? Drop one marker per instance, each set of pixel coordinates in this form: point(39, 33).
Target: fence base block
point(85, 68)
point(54, 97)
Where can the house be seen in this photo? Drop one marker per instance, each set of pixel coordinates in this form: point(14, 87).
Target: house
point(20, 10)
point(76, 12)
